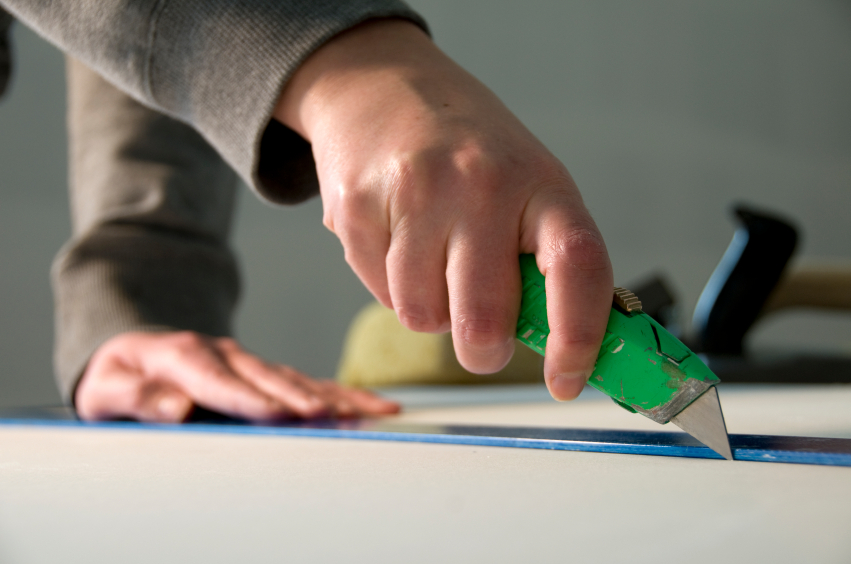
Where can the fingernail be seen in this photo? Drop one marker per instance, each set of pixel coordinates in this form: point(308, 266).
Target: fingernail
point(566, 386)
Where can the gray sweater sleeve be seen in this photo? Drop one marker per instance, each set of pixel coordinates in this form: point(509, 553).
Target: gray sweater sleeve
point(150, 194)
point(151, 203)
point(218, 65)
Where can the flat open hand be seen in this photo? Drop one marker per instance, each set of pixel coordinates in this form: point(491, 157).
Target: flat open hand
point(434, 189)
point(162, 376)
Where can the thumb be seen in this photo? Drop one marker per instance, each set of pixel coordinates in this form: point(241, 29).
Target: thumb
point(163, 403)
point(113, 391)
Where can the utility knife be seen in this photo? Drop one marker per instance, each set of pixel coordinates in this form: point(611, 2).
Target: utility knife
point(641, 366)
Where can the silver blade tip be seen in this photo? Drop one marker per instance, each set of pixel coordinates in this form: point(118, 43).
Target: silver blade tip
point(704, 420)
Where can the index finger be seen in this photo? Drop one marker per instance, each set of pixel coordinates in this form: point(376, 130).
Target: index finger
point(571, 254)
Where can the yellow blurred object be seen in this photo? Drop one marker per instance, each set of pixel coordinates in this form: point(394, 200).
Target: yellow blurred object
point(380, 351)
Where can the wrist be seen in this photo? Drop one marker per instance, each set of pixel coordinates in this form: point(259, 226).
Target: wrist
point(337, 72)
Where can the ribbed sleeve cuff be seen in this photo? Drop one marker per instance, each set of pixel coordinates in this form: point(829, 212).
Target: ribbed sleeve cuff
point(126, 278)
point(223, 71)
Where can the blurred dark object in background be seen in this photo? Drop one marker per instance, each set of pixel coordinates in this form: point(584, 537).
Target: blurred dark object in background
point(5, 50)
point(751, 281)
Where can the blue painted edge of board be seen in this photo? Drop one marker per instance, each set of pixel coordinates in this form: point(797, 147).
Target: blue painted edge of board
point(754, 448)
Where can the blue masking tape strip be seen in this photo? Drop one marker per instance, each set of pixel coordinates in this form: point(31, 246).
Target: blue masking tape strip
point(756, 448)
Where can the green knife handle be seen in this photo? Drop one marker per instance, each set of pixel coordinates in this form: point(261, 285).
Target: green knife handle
point(641, 365)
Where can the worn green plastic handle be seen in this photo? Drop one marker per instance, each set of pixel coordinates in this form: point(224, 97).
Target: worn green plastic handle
point(641, 365)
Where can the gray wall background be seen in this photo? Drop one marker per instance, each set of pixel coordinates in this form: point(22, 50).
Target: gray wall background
point(664, 111)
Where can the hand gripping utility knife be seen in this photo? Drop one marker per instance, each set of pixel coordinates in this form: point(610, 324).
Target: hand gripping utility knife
point(641, 366)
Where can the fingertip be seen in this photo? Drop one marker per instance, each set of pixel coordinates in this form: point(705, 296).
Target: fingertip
point(566, 386)
point(483, 358)
point(370, 403)
point(387, 408)
point(172, 407)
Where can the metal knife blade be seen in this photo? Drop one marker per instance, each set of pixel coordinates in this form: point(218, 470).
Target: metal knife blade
point(704, 421)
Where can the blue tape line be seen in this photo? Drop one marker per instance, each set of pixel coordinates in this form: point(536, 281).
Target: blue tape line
point(755, 448)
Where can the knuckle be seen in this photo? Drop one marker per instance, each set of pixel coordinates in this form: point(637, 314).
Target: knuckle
point(483, 178)
point(579, 336)
point(552, 174)
point(488, 177)
point(402, 170)
point(582, 248)
point(482, 329)
point(349, 214)
point(183, 347)
point(420, 318)
point(228, 343)
point(474, 160)
point(353, 203)
point(188, 340)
